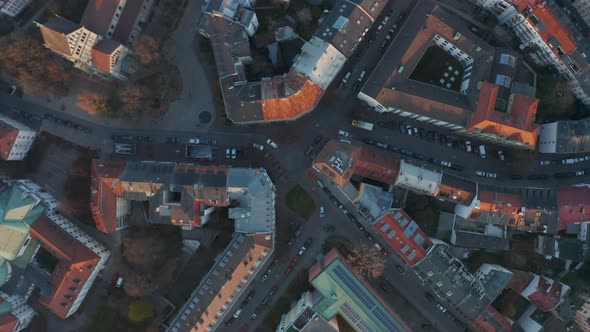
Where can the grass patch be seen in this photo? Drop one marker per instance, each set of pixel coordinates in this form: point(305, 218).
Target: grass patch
point(300, 202)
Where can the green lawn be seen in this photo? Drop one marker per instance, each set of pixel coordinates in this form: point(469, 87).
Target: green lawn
point(300, 202)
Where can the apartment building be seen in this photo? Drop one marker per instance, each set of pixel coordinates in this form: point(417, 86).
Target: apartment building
point(13, 7)
point(16, 139)
point(15, 315)
point(583, 8)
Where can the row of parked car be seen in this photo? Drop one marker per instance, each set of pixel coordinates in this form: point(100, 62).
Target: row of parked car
point(567, 161)
point(66, 123)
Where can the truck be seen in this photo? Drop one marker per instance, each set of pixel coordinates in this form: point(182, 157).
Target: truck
point(362, 124)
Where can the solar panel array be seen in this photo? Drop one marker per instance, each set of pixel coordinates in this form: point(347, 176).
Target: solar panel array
point(356, 289)
point(355, 318)
point(360, 292)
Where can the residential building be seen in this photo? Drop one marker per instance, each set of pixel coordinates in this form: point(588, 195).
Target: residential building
point(418, 179)
point(547, 40)
point(404, 236)
point(493, 208)
point(185, 195)
point(451, 282)
point(296, 93)
point(16, 139)
point(13, 7)
point(463, 233)
point(303, 317)
point(30, 213)
point(100, 43)
point(582, 315)
point(472, 87)
point(15, 315)
point(346, 294)
point(573, 246)
point(456, 189)
point(372, 202)
point(571, 136)
point(583, 8)
point(109, 207)
point(574, 206)
point(339, 161)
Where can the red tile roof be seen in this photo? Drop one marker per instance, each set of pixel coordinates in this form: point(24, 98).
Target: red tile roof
point(552, 32)
point(302, 97)
point(404, 236)
point(482, 322)
point(98, 15)
point(517, 123)
point(7, 136)
point(547, 294)
point(101, 54)
point(76, 263)
point(499, 204)
point(574, 205)
point(105, 188)
point(7, 321)
point(520, 280)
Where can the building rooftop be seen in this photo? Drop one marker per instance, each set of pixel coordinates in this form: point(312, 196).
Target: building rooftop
point(574, 205)
point(545, 293)
point(390, 83)
point(98, 15)
point(105, 189)
point(9, 130)
point(349, 296)
point(373, 202)
point(552, 32)
point(457, 189)
point(492, 321)
point(340, 160)
point(127, 20)
point(477, 240)
point(494, 208)
point(565, 137)
point(418, 179)
point(226, 282)
point(255, 192)
point(404, 236)
point(101, 54)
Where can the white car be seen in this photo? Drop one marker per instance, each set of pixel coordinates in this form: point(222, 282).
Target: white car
point(579, 173)
point(501, 155)
point(491, 175)
point(234, 153)
point(120, 281)
point(271, 143)
point(446, 163)
point(568, 161)
point(545, 162)
point(468, 146)
point(238, 312)
point(343, 133)
point(480, 173)
point(322, 212)
point(441, 307)
point(227, 153)
point(258, 146)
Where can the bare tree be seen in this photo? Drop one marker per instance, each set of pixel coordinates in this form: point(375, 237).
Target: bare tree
point(366, 261)
point(147, 49)
point(131, 101)
point(93, 103)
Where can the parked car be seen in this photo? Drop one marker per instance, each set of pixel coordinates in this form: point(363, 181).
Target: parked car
point(545, 162)
point(480, 173)
point(317, 140)
point(234, 153)
point(468, 146)
point(343, 133)
point(446, 164)
point(120, 281)
point(400, 268)
point(12, 90)
point(441, 307)
point(258, 146)
point(227, 153)
point(271, 143)
point(272, 291)
point(322, 212)
point(501, 155)
point(320, 183)
point(238, 312)
point(579, 173)
point(568, 161)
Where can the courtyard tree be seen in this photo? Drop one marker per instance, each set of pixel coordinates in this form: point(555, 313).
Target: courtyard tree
point(93, 103)
point(147, 49)
point(367, 261)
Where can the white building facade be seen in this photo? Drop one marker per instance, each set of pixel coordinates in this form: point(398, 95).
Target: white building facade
point(23, 139)
point(14, 7)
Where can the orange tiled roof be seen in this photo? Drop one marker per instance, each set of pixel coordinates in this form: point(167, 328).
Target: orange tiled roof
point(76, 262)
point(105, 188)
point(7, 137)
point(515, 124)
point(295, 104)
point(7, 321)
point(482, 323)
point(403, 235)
point(376, 165)
point(553, 32)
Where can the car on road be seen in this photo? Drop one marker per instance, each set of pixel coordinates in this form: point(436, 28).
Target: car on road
point(482, 151)
point(234, 153)
point(491, 175)
point(568, 161)
point(227, 153)
point(12, 90)
point(115, 277)
point(264, 277)
point(441, 307)
point(351, 217)
point(273, 290)
point(308, 242)
point(579, 173)
point(369, 141)
point(400, 268)
point(468, 146)
point(480, 173)
point(245, 327)
point(322, 212)
point(329, 229)
point(271, 143)
point(238, 312)
point(381, 145)
point(501, 155)
point(545, 162)
point(379, 247)
point(120, 281)
point(320, 183)
point(258, 146)
point(249, 297)
point(343, 133)
point(446, 164)
point(380, 27)
point(345, 78)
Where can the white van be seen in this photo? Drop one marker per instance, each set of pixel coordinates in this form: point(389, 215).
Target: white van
point(482, 151)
